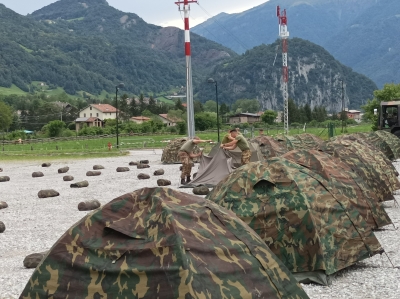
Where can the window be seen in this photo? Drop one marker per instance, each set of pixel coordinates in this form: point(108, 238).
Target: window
point(90, 114)
point(97, 114)
point(84, 114)
point(90, 108)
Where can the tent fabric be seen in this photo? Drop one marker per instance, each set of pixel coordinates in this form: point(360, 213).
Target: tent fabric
point(170, 152)
point(290, 142)
point(374, 139)
point(161, 243)
point(372, 149)
point(367, 163)
point(213, 169)
point(348, 185)
point(308, 141)
point(392, 140)
point(301, 221)
point(269, 147)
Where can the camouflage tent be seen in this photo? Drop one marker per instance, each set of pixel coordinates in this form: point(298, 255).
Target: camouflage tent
point(290, 142)
point(301, 221)
point(375, 140)
point(367, 163)
point(170, 152)
point(349, 186)
point(161, 243)
point(269, 147)
point(308, 141)
point(392, 140)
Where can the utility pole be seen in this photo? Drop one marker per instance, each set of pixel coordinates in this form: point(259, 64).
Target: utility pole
point(189, 86)
point(284, 34)
point(343, 108)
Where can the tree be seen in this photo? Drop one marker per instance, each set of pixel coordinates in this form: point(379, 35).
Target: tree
point(269, 116)
point(205, 120)
point(307, 113)
point(55, 128)
point(178, 105)
point(152, 107)
point(6, 116)
point(210, 106)
point(198, 107)
point(293, 112)
point(388, 93)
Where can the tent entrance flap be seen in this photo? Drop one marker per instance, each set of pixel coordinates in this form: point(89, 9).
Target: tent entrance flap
point(212, 170)
point(318, 277)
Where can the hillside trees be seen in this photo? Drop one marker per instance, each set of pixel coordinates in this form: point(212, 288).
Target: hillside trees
point(6, 116)
point(388, 93)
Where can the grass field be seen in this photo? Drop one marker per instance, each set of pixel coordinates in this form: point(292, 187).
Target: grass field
point(98, 147)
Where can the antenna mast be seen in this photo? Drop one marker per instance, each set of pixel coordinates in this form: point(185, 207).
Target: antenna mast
point(189, 85)
point(284, 34)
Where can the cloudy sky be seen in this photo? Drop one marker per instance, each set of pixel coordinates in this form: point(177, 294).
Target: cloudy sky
point(159, 12)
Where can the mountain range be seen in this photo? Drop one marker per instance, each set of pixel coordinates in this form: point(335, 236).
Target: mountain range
point(315, 78)
point(362, 34)
point(90, 46)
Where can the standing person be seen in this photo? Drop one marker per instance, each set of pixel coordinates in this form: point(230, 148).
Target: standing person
point(240, 142)
point(186, 155)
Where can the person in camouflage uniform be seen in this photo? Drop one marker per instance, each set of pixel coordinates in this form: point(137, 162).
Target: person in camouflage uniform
point(240, 142)
point(186, 155)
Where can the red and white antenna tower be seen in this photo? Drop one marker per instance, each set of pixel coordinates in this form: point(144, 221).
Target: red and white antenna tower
point(284, 34)
point(189, 85)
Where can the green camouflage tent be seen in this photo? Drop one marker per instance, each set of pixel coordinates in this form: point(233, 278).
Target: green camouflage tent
point(375, 140)
point(161, 243)
point(368, 146)
point(290, 142)
point(392, 140)
point(170, 152)
point(308, 141)
point(301, 221)
point(350, 187)
point(370, 164)
point(269, 147)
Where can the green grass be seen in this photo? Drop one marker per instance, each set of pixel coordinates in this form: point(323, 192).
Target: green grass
point(165, 100)
point(12, 90)
point(97, 147)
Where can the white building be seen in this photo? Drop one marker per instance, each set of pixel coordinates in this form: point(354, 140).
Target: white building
point(102, 111)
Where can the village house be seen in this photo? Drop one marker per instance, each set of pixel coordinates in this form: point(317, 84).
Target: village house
point(94, 115)
point(354, 114)
point(168, 121)
point(242, 118)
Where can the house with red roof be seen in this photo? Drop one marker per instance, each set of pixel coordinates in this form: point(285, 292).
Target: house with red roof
point(168, 121)
point(94, 115)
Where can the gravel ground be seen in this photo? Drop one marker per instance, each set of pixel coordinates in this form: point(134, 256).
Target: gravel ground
point(34, 225)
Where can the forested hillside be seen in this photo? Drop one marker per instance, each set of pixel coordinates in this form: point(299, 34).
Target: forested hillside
point(314, 78)
point(91, 47)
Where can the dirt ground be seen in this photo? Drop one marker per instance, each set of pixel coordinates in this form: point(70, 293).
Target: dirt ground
point(34, 224)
